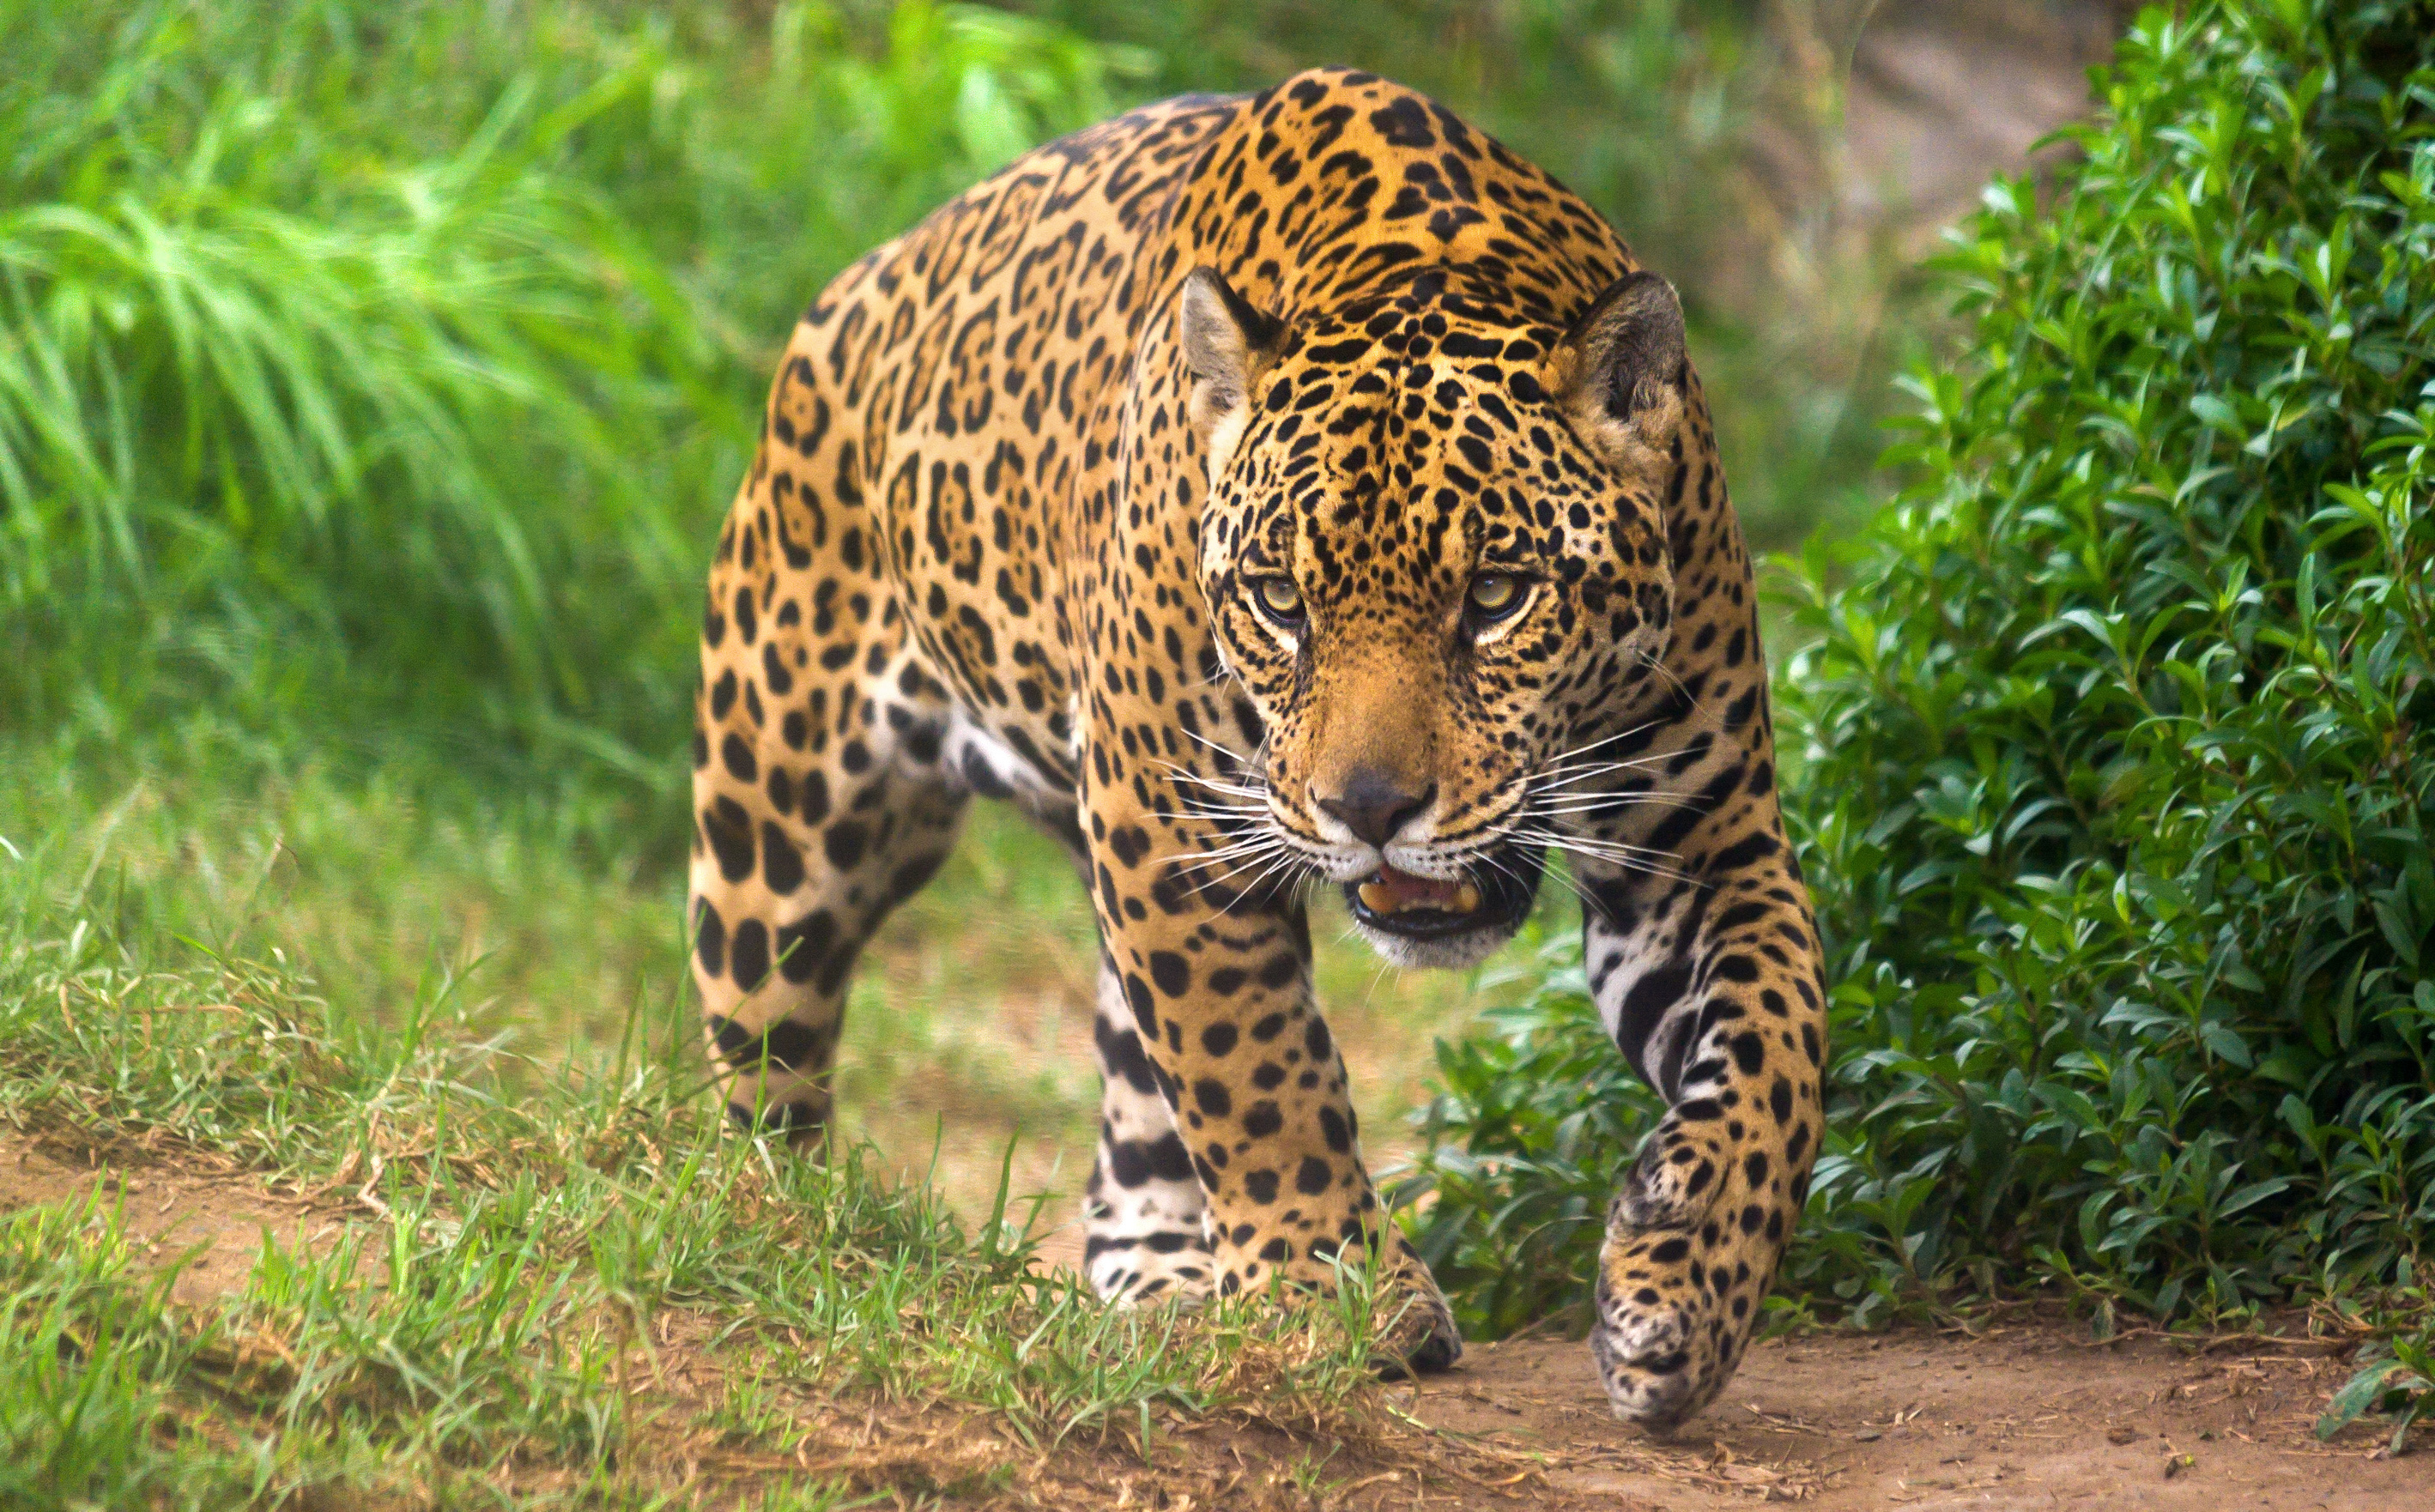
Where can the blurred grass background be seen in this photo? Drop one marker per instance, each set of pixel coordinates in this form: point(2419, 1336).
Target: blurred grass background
point(372, 377)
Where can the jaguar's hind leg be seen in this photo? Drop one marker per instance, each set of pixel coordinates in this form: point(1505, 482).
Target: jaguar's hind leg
point(1142, 1213)
point(801, 854)
point(821, 796)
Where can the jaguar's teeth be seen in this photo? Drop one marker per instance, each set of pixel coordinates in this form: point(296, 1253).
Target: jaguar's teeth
point(1420, 895)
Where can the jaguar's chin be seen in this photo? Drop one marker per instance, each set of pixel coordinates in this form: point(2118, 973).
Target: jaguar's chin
point(1446, 923)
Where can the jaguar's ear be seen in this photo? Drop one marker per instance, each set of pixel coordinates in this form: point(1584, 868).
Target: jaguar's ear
point(1226, 343)
point(1620, 374)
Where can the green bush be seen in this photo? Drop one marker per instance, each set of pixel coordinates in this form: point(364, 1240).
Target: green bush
point(2114, 770)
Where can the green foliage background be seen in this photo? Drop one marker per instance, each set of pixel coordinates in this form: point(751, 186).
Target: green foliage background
point(2115, 766)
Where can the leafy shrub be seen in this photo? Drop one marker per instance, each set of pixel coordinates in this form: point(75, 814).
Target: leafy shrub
point(2396, 1379)
point(2115, 769)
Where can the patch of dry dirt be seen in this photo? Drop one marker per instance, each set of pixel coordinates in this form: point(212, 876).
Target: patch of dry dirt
point(2033, 1415)
point(205, 1216)
point(2028, 1418)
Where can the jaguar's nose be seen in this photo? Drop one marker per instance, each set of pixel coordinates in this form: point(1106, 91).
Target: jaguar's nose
point(1374, 806)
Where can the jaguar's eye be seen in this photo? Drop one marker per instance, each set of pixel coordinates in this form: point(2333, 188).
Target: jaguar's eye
point(1494, 596)
point(1278, 599)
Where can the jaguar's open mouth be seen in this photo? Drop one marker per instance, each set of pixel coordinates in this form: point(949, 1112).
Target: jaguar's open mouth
point(1496, 898)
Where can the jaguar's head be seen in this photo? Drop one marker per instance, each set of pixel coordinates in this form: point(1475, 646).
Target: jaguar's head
point(1434, 555)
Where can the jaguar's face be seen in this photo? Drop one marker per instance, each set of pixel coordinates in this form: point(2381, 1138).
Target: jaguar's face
point(1434, 556)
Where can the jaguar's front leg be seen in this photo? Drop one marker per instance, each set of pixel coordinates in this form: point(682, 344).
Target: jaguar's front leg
point(1710, 983)
point(1145, 1222)
point(1214, 985)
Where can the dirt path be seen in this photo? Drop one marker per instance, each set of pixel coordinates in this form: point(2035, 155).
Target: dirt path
point(2028, 1416)
point(2033, 1415)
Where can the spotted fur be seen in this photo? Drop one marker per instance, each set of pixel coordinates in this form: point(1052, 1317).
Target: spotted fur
point(1260, 491)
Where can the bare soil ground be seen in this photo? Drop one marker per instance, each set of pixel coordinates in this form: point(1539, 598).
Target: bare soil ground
point(2034, 1414)
point(2028, 1416)
point(206, 1217)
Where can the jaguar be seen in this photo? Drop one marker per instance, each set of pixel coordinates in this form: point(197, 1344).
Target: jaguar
point(1270, 494)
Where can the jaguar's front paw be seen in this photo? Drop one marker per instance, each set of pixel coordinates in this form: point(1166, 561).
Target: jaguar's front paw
point(1675, 1309)
point(1645, 1343)
point(1417, 1336)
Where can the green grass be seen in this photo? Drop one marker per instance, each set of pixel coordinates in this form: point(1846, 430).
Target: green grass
point(372, 377)
point(526, 1238)
point(424, 996)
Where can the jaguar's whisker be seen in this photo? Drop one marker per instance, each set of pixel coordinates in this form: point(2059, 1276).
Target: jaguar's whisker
point(1607, 804)
point(1290, 859)
point(1230, 789)
point(1561, 757)
point(1614, 853)
point(1488, 859)
point(1247, 847)
point(1572, 774)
